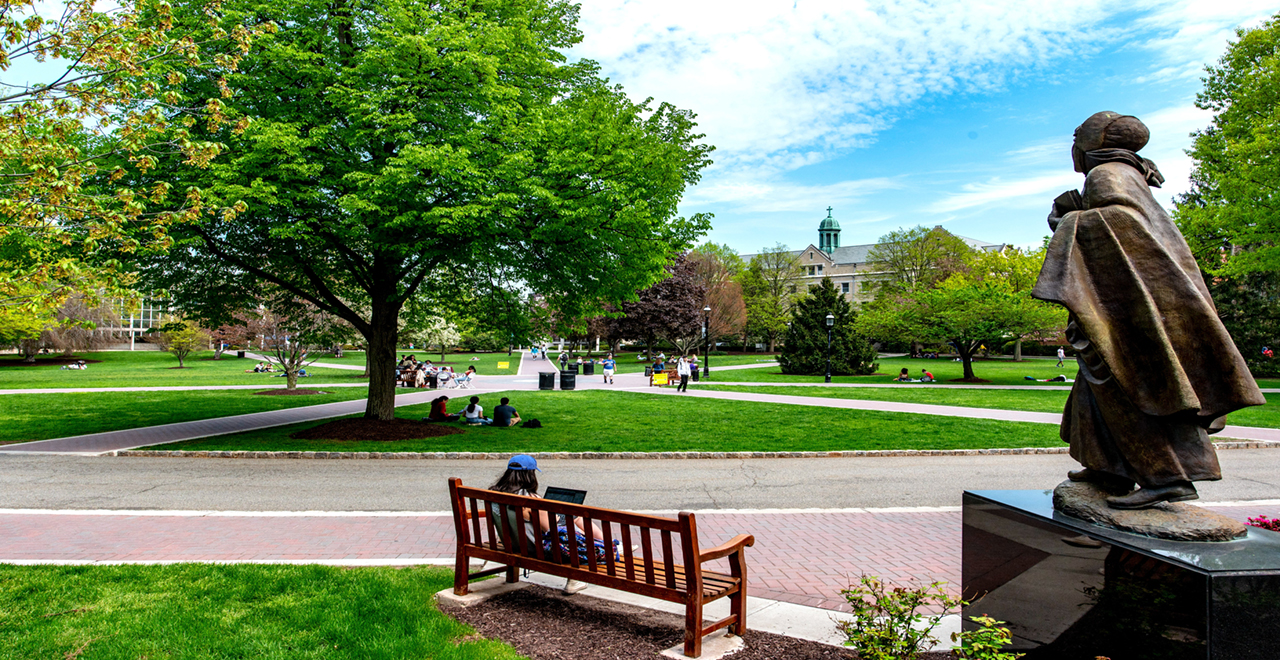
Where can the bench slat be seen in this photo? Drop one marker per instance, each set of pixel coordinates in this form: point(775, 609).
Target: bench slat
point(626, 540)
point(668, 559)
point(646, 546)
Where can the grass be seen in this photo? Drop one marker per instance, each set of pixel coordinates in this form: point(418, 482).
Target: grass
point(1266, 416)
point(154, 369)
point(43, 416)
point(597, 420)
point(998, 371)
point(1048, 401)
point(238, 611)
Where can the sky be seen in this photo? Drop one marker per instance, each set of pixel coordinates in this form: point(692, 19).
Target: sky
point(915, 112)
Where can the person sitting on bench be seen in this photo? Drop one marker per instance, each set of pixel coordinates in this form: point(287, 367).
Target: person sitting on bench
point(519, 479)
point(505, 414)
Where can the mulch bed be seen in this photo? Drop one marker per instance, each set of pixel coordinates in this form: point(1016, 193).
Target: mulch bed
point(45, 362)
point(359, 428)
point(545, 625)
point(288, 392)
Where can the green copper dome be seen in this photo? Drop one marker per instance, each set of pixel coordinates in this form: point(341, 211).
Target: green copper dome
point(828, 222)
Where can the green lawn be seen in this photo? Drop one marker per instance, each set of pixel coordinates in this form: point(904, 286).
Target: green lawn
point(239, 611)
point(1050, 401)
point(1267, 416)
point(998, 371)
point(57, 415)
point(599, 420)
point(152, 369)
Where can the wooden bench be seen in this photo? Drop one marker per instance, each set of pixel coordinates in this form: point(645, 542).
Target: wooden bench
point(653, 573)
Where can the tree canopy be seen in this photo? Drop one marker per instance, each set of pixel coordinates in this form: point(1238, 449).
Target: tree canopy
point(387, 142)
point(1231, 216)
point(805, 350)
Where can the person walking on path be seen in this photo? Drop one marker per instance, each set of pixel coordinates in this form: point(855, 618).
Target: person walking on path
point(609, 365)
point(1062, 355)
point(682, 370)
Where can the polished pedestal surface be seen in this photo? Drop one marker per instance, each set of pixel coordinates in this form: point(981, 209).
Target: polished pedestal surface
point(1071, 590)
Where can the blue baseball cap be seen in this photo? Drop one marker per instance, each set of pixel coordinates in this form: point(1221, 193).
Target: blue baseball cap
point(522, 462)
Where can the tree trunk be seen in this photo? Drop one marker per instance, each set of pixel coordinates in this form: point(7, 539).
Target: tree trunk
point(1017, 350)
point(966, 358)
point(381, 361)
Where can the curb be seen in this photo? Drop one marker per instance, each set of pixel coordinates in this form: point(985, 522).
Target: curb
point(625, 455)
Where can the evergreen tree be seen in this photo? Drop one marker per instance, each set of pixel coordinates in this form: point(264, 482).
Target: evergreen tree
point(805, 351)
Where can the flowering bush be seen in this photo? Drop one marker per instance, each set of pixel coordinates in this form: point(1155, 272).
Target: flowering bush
point(1264, 522)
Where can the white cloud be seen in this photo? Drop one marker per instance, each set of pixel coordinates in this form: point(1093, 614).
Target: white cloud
point(998, 190)
point(772, 80)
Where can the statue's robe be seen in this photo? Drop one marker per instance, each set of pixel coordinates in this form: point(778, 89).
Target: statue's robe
point(1158, 371)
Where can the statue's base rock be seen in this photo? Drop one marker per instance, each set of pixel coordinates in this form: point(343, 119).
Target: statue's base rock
point(1172, 521)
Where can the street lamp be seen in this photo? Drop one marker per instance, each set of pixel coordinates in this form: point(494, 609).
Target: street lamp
point(706, 341)
point(831, 321)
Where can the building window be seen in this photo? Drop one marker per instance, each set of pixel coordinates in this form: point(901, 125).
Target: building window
point(844, 287)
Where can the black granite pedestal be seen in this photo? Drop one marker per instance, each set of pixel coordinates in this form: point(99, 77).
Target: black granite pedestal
point(1071, 590)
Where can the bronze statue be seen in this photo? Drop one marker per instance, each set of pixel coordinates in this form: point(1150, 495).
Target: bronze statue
point(1158, 371)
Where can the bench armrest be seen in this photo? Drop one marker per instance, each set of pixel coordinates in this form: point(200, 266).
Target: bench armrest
point(727, 548)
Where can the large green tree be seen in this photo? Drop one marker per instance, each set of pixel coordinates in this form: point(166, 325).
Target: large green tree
point(768, 290)
point(1231, 216)
point(388, 141)
point(806, 351)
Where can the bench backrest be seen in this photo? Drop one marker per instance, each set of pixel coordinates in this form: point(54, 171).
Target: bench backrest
point(654, 570)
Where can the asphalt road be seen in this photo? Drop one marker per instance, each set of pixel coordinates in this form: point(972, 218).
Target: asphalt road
point(74, 482)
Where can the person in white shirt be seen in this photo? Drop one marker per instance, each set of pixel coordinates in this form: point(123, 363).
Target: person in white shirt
point(682, 370)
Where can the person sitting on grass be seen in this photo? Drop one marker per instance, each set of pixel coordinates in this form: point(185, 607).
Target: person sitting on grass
point(505, 414)
point(440, 411)
point(903, 376)
point(926, 377)
point(474, 413)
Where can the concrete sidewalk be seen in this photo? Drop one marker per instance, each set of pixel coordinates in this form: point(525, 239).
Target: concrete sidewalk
point(100, 443)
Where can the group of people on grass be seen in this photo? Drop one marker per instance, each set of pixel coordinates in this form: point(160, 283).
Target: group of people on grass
point(473, 413)
point(412, 373)
point(925, 377)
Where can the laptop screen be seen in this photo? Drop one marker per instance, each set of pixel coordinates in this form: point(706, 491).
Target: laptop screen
point(565, 495)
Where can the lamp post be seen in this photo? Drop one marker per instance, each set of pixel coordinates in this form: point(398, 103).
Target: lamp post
point(706, 342)
point(831, 321)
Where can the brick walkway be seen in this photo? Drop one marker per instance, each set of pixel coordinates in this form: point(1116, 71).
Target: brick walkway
point(802, 557)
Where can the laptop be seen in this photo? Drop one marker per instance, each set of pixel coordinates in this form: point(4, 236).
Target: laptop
point(564, 495)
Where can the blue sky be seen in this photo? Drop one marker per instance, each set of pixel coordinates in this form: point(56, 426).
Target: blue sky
point(909, 113)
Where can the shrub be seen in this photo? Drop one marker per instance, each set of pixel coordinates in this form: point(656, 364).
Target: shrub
point(984, 643)
point(1264, 522)
point(886, 624)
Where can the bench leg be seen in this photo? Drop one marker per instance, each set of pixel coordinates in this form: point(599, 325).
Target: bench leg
point(693, 629)
point(738, 601)
point(461, 568)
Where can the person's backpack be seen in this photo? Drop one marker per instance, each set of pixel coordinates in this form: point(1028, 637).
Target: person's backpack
point(531, 424)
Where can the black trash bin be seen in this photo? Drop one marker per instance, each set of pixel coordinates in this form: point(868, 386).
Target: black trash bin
point(568, 381)
point(588, 368)
point(239, 354)
point(546, 380)
point(572, 367)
